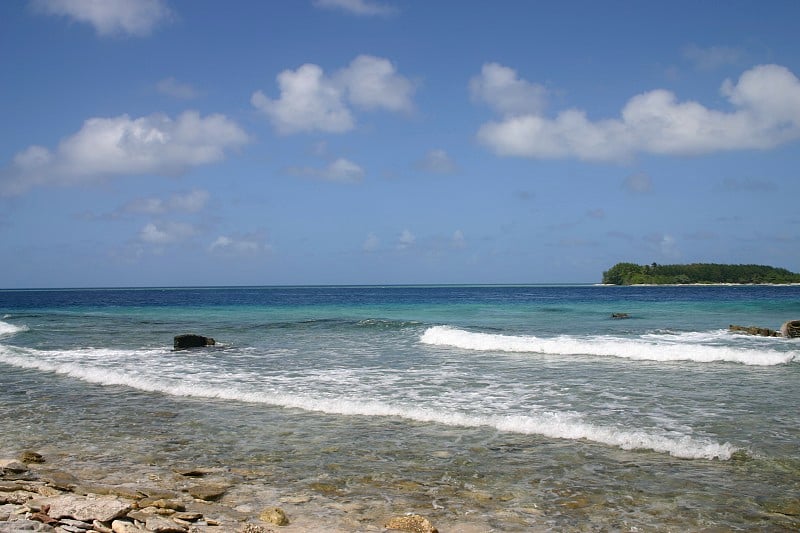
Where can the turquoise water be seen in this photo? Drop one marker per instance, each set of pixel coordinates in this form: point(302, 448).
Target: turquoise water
point(511, 408)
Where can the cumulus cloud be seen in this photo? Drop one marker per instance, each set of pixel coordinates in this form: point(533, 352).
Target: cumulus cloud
point(766, 113)
point(106, 147)
point(437, 162)
point(358, 7)
point(312, 101)
point(500, 88)
point(340, 170)
point(189, 202)
point(172, 87)
point(166, 233)
point(406, 240)
point(110, 17)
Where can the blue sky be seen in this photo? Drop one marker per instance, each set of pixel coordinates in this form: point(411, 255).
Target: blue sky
point(191, 142)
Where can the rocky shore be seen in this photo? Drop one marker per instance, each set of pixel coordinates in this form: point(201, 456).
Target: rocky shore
point(38, 496)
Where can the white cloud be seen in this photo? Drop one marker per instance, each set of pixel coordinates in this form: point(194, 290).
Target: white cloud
point(188, 202)
point(406, 240)
point(373, 83)
point(504, 92)
point(311, 101)
point(371, 243)
point(638, 183)
point(172, 87)
point(166, 233)
point(308, 102)
point(766, 102)
point(712, 57)
point(248, 244)
point(341, 170)
point(105, 147)
point(357, 7)
point(437, 162)
point(110, 17)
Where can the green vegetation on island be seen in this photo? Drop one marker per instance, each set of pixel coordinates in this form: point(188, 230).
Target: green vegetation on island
point(654, 274)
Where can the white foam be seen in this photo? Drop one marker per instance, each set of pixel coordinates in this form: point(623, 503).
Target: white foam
point(548, 424)
point(7, 330)
point(651, 347)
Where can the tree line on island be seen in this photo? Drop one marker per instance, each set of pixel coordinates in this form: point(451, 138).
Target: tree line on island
point(655, 274)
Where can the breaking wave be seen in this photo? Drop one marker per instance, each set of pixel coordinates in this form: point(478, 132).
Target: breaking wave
point(701, 348)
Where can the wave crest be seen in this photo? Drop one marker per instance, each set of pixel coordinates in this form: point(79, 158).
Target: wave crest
point(650, 347)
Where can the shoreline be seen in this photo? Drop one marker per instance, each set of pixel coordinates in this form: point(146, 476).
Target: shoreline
point(37, 495)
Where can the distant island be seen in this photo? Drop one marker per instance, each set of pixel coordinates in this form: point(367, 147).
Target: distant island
point(655, 274)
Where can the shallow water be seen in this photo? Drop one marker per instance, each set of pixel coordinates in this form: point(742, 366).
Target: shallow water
point(511, 408)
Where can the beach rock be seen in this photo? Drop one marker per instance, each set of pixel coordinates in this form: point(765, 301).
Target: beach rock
point(753, 330)
point(12, 466)
point(190, 340)
point(412, 522)
point(123, 526)
point(791, 329)
point(255, 528)
point(17, 526)
point(163, 525)
point(209, 492)
point(60, 480)
point(162, 503)
point(29, 457)
point(86, 509)
point(274, 515)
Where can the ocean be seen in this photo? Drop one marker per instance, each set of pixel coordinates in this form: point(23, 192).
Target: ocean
point(495, 408)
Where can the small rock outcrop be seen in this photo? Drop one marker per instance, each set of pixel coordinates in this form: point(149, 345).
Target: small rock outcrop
point(412, 522)
point(190, 340)
point(791, 329)
point(274, 515)
point(753, 330)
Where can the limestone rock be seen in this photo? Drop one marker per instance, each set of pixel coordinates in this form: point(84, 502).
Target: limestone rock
point(413, 522)
point(791, 329)
point(274, 515)
point(190, 340)
point(123, 526)
point(753, 330)
point(208, 492)
point(86, 509)
point(163, 525)
point(29, 457)
point(17, 526)
point(12, 466)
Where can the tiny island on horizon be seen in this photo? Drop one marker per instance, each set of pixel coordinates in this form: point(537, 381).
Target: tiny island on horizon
point(697, 274)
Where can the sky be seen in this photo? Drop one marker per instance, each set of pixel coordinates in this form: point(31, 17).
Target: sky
point(296, 142)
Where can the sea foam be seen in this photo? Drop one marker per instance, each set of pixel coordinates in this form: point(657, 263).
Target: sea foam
point(7, 330)
point(557, 425)
point(651, 347)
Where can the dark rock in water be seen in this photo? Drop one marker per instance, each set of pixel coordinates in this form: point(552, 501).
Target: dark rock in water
point(753, 330)
point(29, 457)
point(791, 329)
point(620, 315)
point(189, 340)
